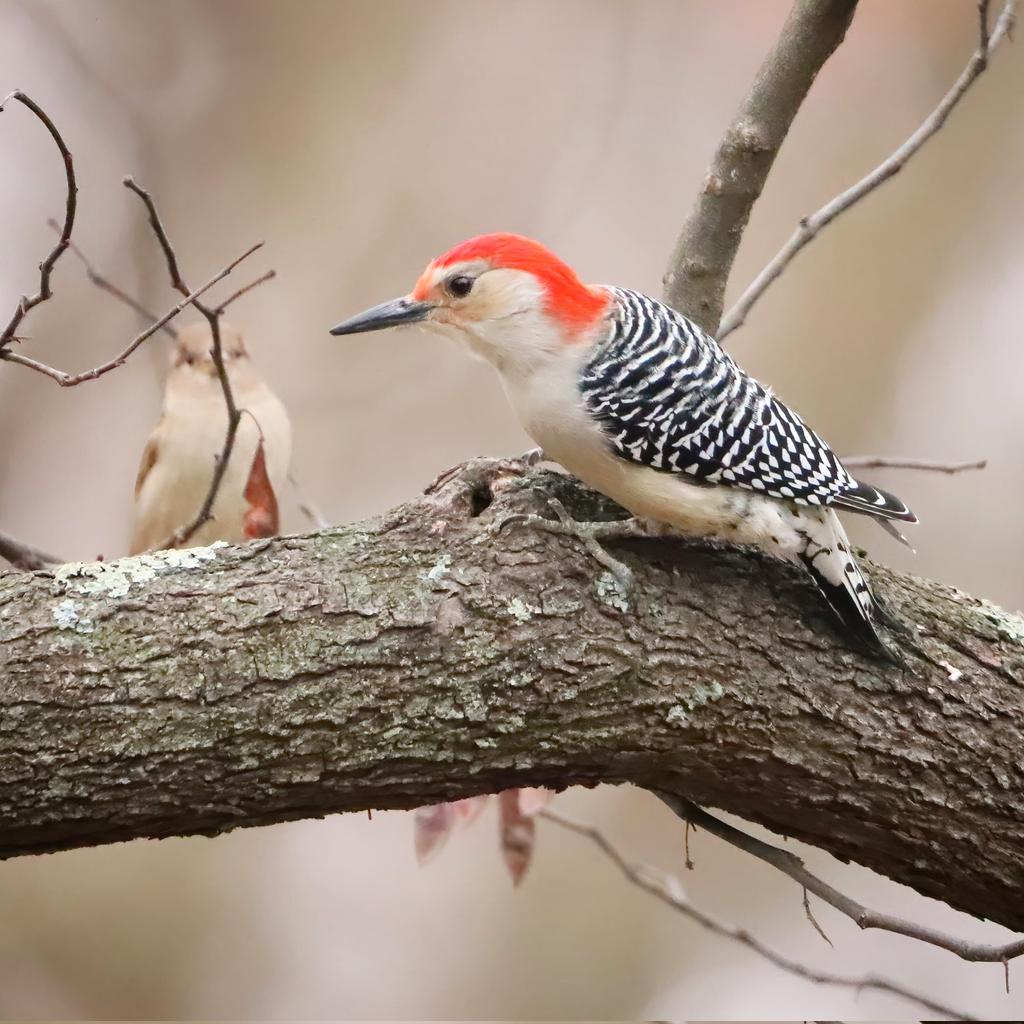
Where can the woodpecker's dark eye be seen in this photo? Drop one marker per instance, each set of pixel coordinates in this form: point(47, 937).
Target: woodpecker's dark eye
point(459, 286)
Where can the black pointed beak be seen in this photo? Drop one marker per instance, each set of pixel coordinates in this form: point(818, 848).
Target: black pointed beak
point(387, 314)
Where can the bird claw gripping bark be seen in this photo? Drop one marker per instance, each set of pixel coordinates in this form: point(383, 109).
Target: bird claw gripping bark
point(533, 457)
point(590, 535)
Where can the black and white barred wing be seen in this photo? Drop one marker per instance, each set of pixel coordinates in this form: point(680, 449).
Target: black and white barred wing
point(669, 397)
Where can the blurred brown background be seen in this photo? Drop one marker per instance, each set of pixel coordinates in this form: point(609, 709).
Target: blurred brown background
point(360, 139)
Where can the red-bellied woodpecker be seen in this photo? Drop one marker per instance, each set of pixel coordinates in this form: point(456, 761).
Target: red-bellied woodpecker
point(640, 403)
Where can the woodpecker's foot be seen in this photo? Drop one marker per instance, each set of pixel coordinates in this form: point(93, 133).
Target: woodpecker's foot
point(533, 457)
point(591, 535)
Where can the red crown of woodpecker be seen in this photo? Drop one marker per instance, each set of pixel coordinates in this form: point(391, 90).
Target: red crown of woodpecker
point(566, 297)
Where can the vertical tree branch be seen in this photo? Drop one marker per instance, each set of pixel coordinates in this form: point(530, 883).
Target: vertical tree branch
point(703, 256)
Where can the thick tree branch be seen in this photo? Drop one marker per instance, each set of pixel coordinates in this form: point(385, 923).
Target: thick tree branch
point(809, 228)
point(699, 268)
point(669, 891)
point(416, 659)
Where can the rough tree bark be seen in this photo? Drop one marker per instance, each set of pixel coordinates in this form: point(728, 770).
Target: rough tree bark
point(413, 658)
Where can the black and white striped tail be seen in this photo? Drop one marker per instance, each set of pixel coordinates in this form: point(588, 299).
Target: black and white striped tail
point(829, 560)
point(873, 501)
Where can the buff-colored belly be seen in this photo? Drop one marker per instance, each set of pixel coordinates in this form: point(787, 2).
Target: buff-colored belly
point(665, 497)
point(570, 438)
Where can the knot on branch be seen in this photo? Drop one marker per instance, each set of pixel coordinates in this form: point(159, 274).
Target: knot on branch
point(712, 185)
point(750, 138)
point(493, 488)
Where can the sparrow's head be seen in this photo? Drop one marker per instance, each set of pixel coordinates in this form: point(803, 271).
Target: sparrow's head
point(193, 348)
point(508, 297)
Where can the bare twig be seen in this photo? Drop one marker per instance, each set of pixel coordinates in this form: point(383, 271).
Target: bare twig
point(205, 513)
point(983, 33)
point(646, 879)
point(161, 235)
point(790, 864)
point(307, 507)
point(703, 256)
point(105, 284)
point(23, 556)
point(928, 465)
point(809, 914)
point(212, 315)
point(68, 380)
point(27, 302)
point(810, 226)
point(245, 289)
